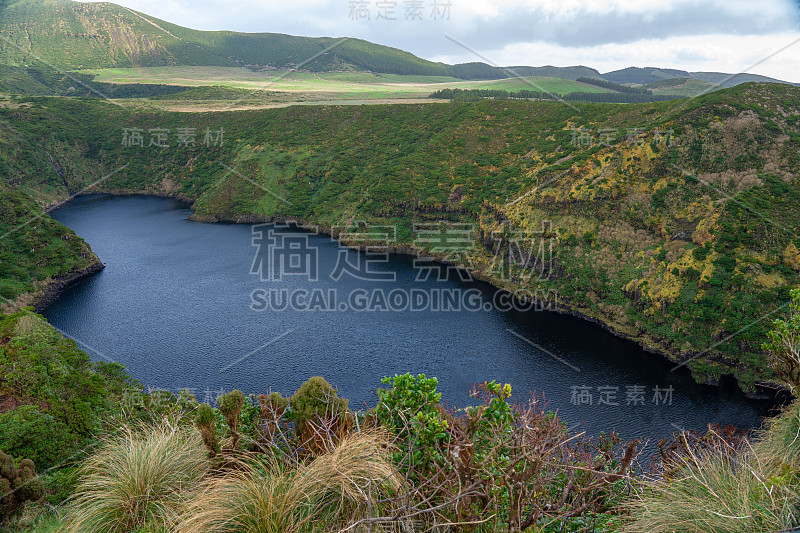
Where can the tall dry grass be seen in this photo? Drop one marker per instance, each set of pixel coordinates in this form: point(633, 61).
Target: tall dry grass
point(753, 489)
point(140, 478)
point(335, 489)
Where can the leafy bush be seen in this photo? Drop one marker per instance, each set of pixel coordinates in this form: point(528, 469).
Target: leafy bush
point(27, 432)
point(38, 366)
point(60, 484)
point(205, 422)
point(319, 414)
point(784, 344)
point(410, 408)
point(230, 405)
point(500, 465)
point(700, 253)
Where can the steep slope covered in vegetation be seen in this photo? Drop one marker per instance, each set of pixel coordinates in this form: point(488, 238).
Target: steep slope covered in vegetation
point(674, 224)
point(52, 396)
point(38, 255)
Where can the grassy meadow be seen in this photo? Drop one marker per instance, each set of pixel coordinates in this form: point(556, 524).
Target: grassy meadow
point(274, 88)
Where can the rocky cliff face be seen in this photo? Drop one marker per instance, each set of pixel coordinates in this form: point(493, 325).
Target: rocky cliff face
point(54, 287)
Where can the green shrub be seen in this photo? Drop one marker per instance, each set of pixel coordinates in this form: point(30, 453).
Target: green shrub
point(59, 484)
point(784, 344)
point(410, 408)
point(700, 253)
point(40, 367)
point(318, 413)
point(27, 432)
point(205, 422)
point(230, 405)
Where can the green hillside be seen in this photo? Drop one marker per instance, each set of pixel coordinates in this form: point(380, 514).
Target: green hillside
point(16, 80)
point(676, 245)
point(567, 73)
point(71, 35)
point(36, 251)
point(729, 80)
point(652, 76)
point(642, 76)
point(682, 86)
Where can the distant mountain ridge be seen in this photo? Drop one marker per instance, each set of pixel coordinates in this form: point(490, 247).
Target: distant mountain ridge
point(648, 75)
point(73, 36)
point(567, 73)
point(643, 76)
point(731, 80)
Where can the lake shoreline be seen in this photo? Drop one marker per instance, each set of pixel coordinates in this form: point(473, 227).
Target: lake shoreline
point(764, 392)
point(53, 290)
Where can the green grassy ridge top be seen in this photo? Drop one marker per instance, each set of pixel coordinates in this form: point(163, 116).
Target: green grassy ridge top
point(644, 245)
point(71, 35)
point(652, 75)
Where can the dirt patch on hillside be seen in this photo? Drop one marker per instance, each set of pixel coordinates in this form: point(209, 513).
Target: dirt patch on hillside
point(9, 403)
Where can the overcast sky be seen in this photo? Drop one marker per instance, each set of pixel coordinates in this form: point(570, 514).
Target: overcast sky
point(695, 35)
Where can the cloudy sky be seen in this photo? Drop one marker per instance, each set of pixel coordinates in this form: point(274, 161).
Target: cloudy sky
point(758, 36)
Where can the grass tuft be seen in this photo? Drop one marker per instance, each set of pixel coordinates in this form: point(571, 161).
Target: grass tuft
point(140, 478)
point(335, 488)
point(751, 489)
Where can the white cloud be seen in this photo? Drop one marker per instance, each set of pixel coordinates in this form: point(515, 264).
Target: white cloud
point(719, 35)
point(716, 53)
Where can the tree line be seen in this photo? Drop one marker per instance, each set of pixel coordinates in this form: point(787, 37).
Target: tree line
point(473, 95)
point(605, 84)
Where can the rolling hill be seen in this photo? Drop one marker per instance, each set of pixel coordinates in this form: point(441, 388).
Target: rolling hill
point(652, 75)
point(730, 80)
point(67, 36)
point(567, 73)
point(72, 36)
point(643, 76)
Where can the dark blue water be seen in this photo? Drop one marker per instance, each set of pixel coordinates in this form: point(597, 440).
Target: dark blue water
point(174, 305)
